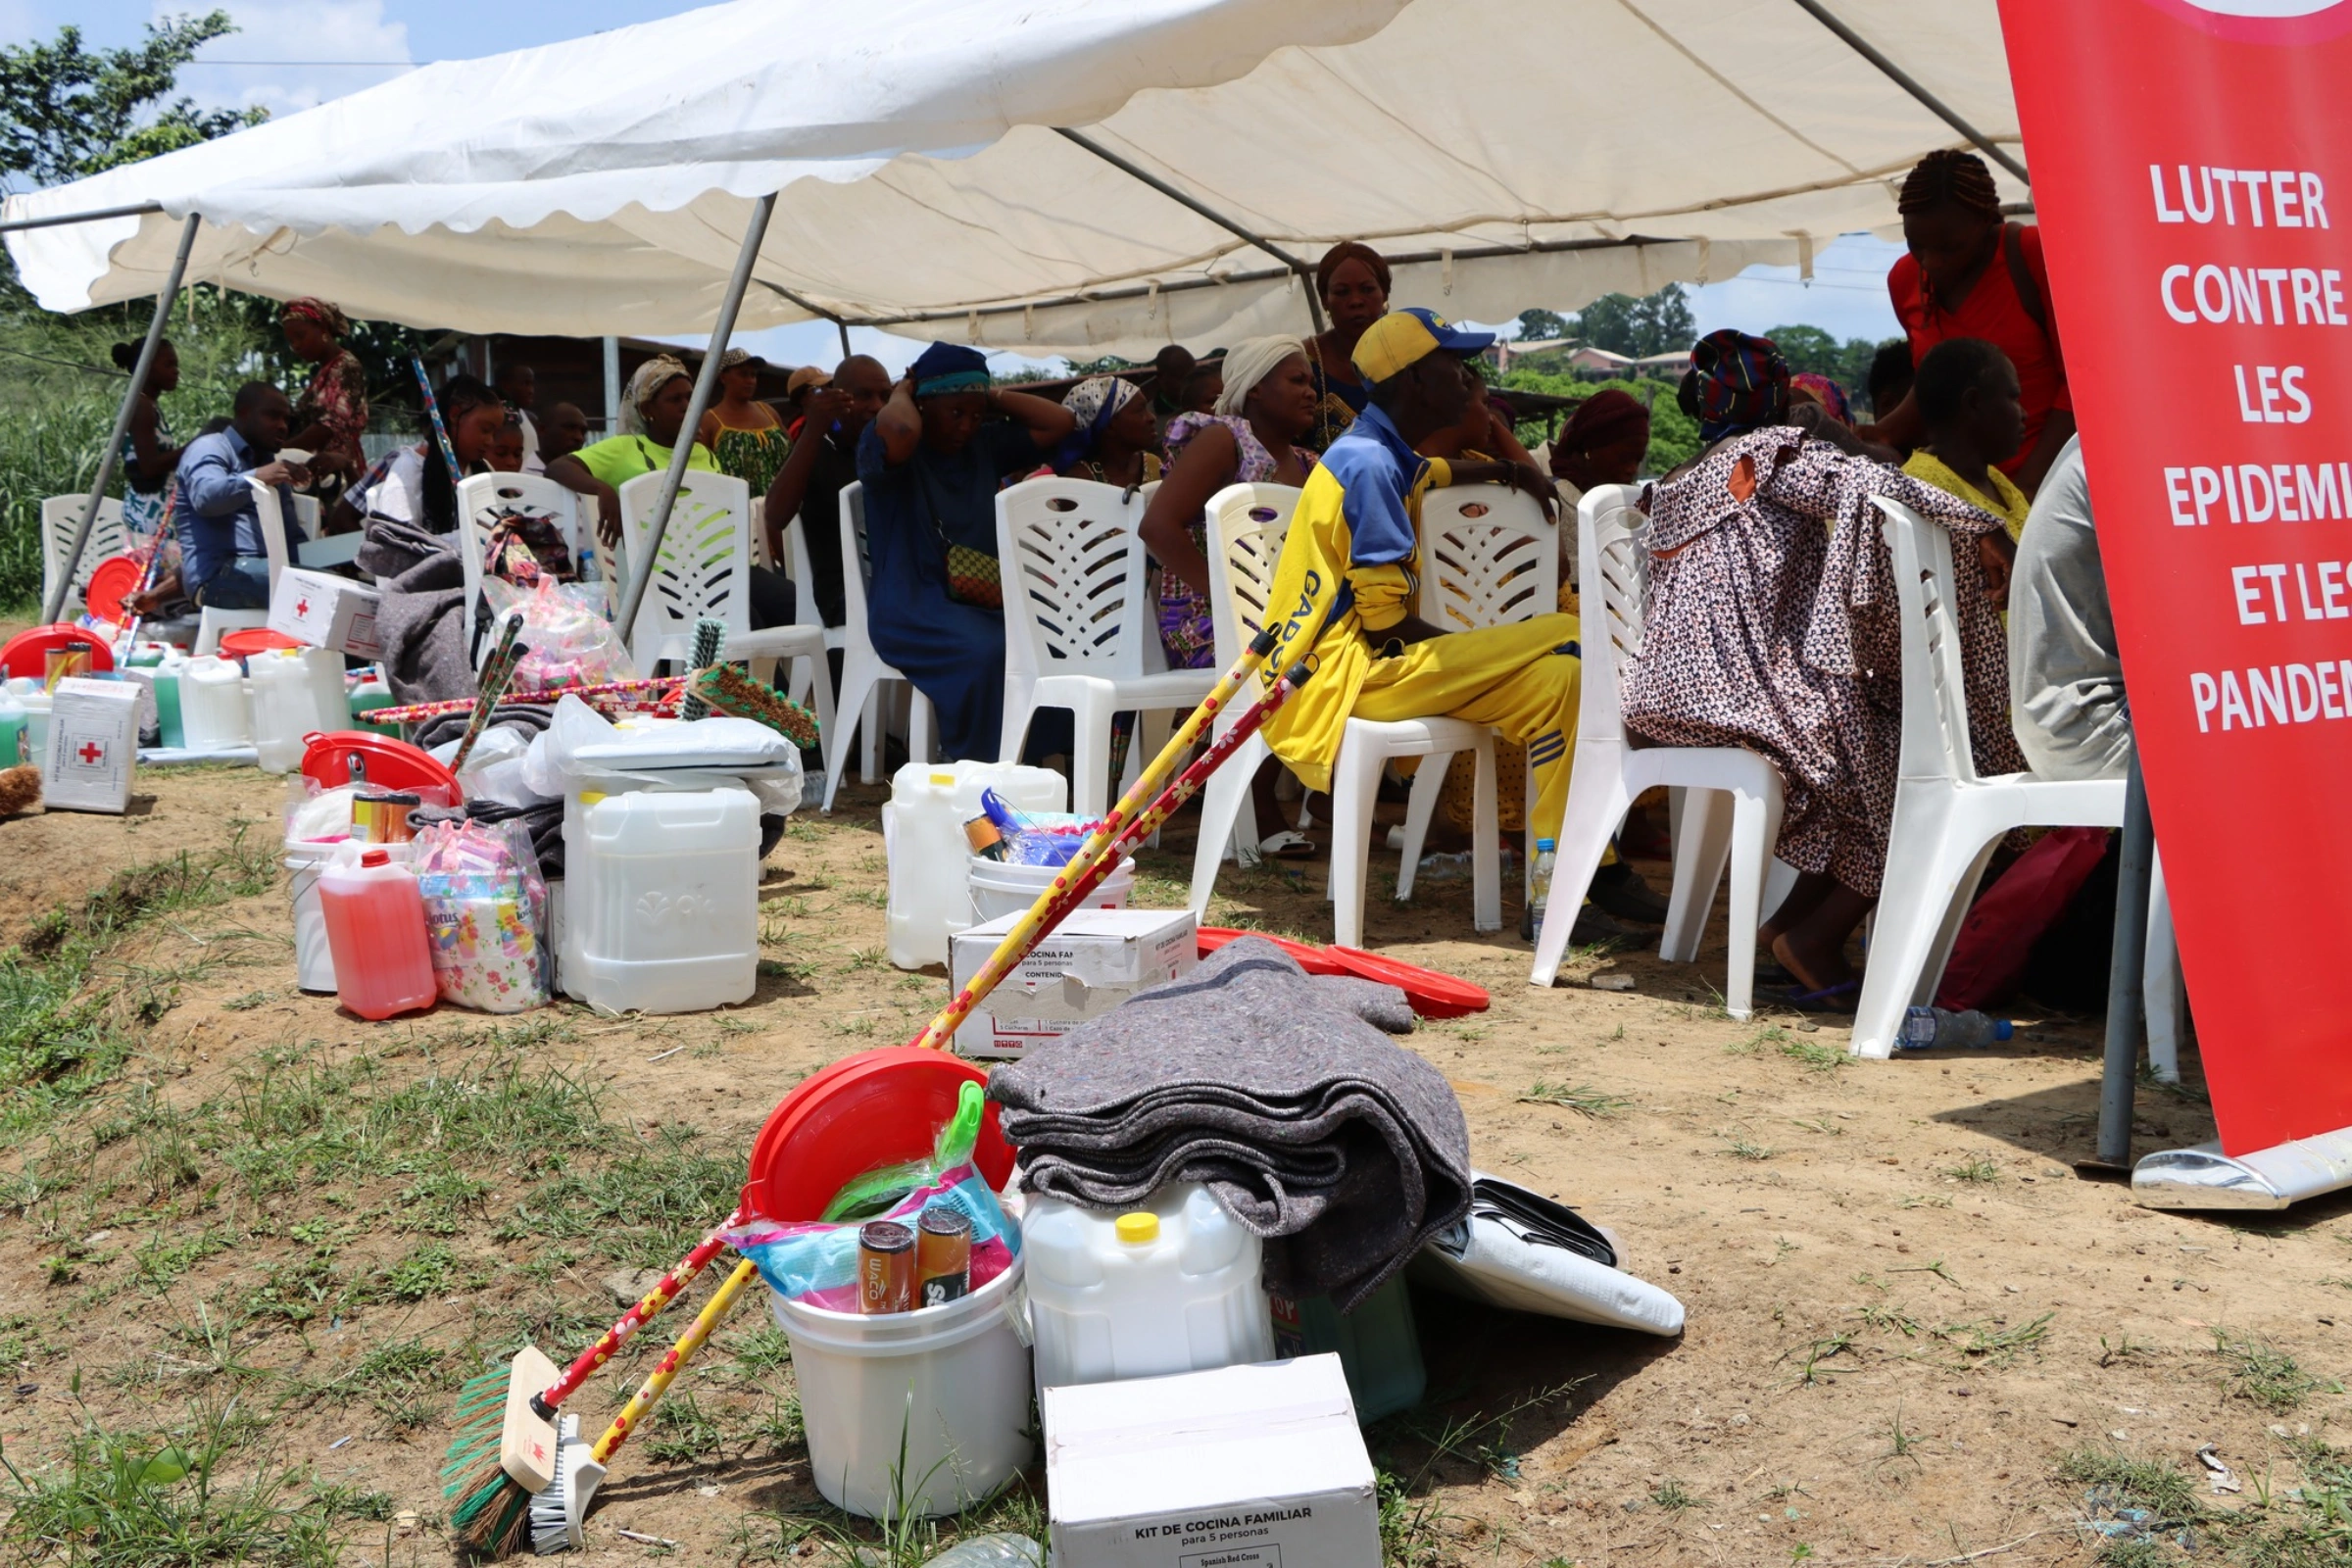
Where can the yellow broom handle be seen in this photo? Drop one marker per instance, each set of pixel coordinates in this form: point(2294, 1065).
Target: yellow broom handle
point(675, 1361)
point(1025, 932)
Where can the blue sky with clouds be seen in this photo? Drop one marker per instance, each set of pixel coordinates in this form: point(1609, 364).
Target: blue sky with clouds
point(291, 54)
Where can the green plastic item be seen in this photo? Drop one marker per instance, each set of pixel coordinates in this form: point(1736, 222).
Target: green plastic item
point(366, 698)
point(168, 730)
point(877, 1191)
point(1378, 1347)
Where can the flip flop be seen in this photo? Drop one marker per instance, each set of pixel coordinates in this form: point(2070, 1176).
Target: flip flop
point(1838, 997)
point(1287, 846)
point(1770, 972)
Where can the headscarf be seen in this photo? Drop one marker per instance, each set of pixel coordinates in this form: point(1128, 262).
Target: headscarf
point(1093, 402)
point(1742, 383)
point(330, 319)
point(648, 378)
point(1251, 362)
point(1350, 250)
point(1828, 393)
point(1603, 420)
point(946, 368)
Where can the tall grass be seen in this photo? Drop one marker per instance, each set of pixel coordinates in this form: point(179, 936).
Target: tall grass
point(59, 391)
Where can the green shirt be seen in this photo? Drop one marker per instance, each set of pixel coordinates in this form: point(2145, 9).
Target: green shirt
point(622, 458)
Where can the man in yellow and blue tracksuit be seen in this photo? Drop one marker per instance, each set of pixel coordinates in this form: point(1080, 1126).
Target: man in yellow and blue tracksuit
point(1349, 570)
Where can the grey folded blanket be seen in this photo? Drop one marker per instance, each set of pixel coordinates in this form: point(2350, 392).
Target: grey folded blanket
point(530, 718)
point(420, 618)
point(1343, 1149)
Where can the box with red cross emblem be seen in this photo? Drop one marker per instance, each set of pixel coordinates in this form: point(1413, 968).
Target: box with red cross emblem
point(93, 744)
point(324, 611)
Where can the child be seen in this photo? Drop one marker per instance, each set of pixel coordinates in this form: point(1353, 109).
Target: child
point(1968, 400)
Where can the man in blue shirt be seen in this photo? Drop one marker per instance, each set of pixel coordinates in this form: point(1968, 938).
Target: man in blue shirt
point(223, 560)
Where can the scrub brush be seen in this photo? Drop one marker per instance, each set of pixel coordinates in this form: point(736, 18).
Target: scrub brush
point(731, 691)
point(20, 789)
point(709, 636)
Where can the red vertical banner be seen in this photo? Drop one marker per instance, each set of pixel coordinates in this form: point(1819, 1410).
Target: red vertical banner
point(2192, 175)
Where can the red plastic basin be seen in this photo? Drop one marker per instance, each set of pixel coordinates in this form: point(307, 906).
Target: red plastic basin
point(876, 1108)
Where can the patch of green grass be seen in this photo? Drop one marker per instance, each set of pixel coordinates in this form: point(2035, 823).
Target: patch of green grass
point(1583, 1098)
point(1815, 1056)
point(683, 1430)
point(1675, 1498)
point(429, 1270)
point(2159, 1486)
point(1990, 1343)
point(1411, 1527)
point(1976, 1170)
point(2264, 1374)
point(1742, 1147)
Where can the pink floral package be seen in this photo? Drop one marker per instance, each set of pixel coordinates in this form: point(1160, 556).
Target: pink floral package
point(485, 912)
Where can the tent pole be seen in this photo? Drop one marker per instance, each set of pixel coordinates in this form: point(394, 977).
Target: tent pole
point(813, 309)
point(612, 386)
point(705, 382)
point(53, 604)
point(843, 327)
point(95, 215)
point(1314, 305)
point(2127, 1024)
point(1904, 80)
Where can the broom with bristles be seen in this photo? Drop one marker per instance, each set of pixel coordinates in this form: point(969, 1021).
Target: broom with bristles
point(507, 1440)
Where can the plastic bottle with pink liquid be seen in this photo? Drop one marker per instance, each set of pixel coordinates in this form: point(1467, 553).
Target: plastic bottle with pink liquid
point(375, 930)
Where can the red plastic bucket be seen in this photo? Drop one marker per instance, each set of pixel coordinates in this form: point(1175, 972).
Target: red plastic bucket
point(252, 640)
point(114, 580)
point(27, 654)
point(876, 1108)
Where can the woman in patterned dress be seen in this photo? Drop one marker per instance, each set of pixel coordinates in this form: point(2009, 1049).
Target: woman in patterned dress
point(333, 411)
point(743, 434)
point(1352, 282)
point(1767, 631)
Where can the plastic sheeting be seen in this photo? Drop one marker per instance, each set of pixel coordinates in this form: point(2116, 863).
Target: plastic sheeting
point(1525, 150)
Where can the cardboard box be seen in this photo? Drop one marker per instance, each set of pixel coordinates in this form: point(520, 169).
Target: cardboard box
point(325, 611)
point(1097, 959)
point(93, 745)
point(1244, 1467)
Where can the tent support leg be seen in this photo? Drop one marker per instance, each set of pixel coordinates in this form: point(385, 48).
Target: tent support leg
point(1904, 80)
point(705, 382)
point(843, 327)
point(1314, 305)
point(2125, 1022)
point(55, 604)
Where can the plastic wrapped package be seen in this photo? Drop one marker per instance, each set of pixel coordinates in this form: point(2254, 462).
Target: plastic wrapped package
point(571, 642)
point(581, 749)
point(815, 1261)
point(485, 912)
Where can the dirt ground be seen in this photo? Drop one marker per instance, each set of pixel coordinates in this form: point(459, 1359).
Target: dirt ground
point(1915, 1336)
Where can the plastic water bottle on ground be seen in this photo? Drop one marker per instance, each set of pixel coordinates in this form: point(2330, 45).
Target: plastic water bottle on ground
point(1932, 1029)
point(1539, 877)
point(998, 1550)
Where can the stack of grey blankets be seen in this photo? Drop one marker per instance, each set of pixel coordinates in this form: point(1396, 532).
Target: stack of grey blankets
point(1344, 1149)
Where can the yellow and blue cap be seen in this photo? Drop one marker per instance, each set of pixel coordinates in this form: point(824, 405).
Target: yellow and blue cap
point(1402, 338)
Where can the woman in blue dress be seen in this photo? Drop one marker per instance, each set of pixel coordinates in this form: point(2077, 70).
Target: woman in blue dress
point(932, 462)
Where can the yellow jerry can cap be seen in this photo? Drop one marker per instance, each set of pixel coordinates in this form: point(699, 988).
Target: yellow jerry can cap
point(1139, 1228)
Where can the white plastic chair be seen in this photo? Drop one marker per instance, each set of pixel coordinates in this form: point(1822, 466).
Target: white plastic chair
point(1076, 618)
point(808, 674)
point(482, 499)
point(61, 516)
point(1489, 557)
point(211, 624)
point(704, 568)
point(1732, 797)
point(1246, 527)
point(862, 672)
point(1947, 818)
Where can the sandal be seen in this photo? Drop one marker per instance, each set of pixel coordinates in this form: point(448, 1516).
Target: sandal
point(1838, 997)
point(1287, 846)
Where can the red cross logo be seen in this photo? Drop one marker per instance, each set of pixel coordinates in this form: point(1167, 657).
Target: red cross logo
point(91, 754)
point(302, 608)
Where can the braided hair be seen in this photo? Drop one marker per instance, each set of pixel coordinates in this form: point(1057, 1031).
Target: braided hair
point(1950, 177)
point(458, 396)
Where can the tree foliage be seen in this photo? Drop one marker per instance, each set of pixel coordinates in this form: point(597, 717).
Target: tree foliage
point(1810, 349)
point(1540, 325)
point(1657, 323)
point(1673, 434)
point(67, 112)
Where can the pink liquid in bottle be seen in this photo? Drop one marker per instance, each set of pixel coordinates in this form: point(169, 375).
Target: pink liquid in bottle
point(375, 930)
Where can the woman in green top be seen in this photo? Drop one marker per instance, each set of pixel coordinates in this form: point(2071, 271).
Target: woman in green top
point(745, 434)
point(653, 412)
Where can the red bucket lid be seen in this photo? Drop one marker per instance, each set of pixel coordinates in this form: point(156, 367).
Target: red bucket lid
point(1313, 960)
point(383, 761)
point(875, 1109)
point(112, 581)
point(255, 640)
point(1432, 995)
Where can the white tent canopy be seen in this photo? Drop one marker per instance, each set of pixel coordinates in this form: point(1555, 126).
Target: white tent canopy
point(1510, 152)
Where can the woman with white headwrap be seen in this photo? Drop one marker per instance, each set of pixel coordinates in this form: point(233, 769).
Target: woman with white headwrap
point(1270, 405)
point(1116, 440)
point(653, 412)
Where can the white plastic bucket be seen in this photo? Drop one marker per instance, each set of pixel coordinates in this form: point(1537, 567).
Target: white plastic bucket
point(314, 964)
point(952, 1379)
point(999, 890)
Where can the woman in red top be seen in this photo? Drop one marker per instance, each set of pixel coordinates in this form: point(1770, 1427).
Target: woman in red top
point(1971, 274)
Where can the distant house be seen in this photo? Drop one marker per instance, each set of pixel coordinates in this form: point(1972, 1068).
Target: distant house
point(1674, 364)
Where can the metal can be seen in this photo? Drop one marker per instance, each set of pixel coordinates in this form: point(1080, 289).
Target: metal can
point(383, 818)
point(74, 659)
point(885, 1267)
point(942, 1257)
